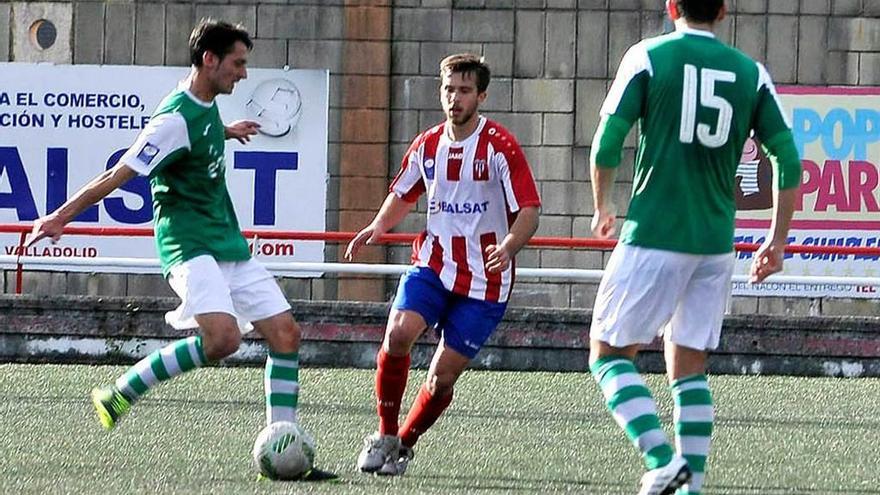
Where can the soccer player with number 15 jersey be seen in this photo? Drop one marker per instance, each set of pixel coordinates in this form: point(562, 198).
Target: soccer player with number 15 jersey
point(696, 101)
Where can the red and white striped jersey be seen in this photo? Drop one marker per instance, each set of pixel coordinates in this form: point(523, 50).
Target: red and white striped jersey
point(475, 187)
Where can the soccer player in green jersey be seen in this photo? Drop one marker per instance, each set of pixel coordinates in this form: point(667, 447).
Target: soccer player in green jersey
point(696, 101)
point(202, 251)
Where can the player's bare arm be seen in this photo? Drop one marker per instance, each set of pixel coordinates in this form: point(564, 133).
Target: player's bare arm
point(769, 257)
point(52, 225)
point(523, 228)
point(241, 130)
point(393, 210)
point(782, 153)
point(605, 155)
point(604, 211)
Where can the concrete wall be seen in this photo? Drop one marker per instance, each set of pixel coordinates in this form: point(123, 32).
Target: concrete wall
point(551, 59)
point(122, 330)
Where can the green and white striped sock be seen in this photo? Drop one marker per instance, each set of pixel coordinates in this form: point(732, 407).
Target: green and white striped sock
point(633, 407)
point(160, 365)
point(282, 386)
point(694, 416)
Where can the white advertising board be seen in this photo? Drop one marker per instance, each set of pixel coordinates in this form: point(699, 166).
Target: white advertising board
point(61, 125)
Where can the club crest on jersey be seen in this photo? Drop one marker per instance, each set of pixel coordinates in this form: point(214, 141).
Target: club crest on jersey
point(429, 169)
point(481, 169)
point(147, 153)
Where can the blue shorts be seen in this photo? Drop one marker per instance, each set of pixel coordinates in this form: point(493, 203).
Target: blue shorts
point(464, 323)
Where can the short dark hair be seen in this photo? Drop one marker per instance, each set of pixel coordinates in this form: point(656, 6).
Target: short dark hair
point(700, 10)
point(217, 37)
point(467, 63)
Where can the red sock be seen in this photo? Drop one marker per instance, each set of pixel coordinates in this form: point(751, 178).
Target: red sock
point(391, 375)
point(423, 414)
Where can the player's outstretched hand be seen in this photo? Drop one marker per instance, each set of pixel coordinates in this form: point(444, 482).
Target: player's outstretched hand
point(603, 223)
point(497, 258)
point(367, 235)
point(767, 261)
point(242, 130)
point(49, 226)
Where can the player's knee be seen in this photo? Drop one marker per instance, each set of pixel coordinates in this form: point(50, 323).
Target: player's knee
point(221, 344)
point(282, 333)
point(441, 384)
point(286, 338)
point(397, 344)
point(400, 339)
point(400, 334)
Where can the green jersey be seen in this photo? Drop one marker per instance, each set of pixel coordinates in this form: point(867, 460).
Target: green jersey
point(182, 152)
point(696, 101)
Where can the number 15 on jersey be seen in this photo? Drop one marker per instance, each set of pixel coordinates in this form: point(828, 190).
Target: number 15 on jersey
point(707, 98)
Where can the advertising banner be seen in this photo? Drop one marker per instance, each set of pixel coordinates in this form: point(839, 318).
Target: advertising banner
point(60, 126)
point(837, 133)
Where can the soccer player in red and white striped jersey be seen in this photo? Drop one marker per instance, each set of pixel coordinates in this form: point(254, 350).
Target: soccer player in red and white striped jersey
point(482, 209)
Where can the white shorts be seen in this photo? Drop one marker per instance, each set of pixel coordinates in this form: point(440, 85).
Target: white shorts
point(243, 289)
point(648, 292)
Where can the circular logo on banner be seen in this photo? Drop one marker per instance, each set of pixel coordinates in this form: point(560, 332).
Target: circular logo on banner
point(276, 105)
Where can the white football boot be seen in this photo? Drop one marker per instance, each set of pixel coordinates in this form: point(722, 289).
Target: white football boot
point(667, 479)
point(378, 449)
point(396, 465)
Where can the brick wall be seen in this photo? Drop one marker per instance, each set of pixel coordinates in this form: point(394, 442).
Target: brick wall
point(551, 60)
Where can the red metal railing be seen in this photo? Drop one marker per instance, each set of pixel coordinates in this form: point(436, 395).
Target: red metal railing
point(406, 238)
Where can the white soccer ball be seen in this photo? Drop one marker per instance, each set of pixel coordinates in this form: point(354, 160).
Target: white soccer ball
point(284, 451)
